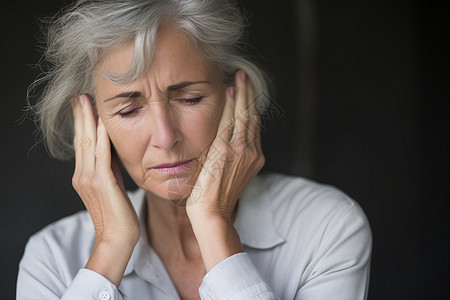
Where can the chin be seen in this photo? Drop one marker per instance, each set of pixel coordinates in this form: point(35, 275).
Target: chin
point(175, 189)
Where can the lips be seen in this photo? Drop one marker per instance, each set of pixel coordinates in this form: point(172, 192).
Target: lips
point(171, 165)
point(173, 168)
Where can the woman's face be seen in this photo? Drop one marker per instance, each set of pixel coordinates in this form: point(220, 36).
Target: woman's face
point(163, 123)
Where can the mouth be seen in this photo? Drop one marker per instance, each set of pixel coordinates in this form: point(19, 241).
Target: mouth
point(173, 168)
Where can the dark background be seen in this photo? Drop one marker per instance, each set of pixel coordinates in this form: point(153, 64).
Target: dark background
point(364, 90)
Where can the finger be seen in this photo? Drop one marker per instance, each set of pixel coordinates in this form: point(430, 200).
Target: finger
point(117, 170)
point(254, 124)
point(88, 139)
point(78, 129)
point(226, 124)
point(241, 109)
point(102, 149)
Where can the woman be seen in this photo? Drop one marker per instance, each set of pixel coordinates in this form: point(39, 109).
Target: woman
point(161, 87)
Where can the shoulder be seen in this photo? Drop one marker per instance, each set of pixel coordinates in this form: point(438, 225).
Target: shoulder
point(299, 193)
point(70, 236)
point(65, 227)
point(326, 234)
point(305, 208)
point(65, 231)
point(58, 251)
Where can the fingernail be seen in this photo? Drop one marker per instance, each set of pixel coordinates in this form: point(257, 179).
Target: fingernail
point(242, 75)
point(231, 91)
point(82, 100)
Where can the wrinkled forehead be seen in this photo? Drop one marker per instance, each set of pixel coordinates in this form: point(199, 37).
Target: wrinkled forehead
point(174, 57)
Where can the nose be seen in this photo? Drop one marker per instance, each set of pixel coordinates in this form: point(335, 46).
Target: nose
point(165, 133)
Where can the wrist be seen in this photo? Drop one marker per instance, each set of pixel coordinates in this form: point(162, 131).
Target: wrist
point(110, 259)
point(217, 239)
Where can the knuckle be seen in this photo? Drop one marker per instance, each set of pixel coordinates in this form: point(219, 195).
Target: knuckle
point(84, 181)
point(228, 150)
point(88, 178)
point(261, 161)
point(220, 145)
point(240, 146)
point(262, 158)
point(255, 118)
point(96, 182)
point(84, 142)
point(90, 183)
point(230, 123)
point(243, 113)
point(99, 152)
point(75, 182)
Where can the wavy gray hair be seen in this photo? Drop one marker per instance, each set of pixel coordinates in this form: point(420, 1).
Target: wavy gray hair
point(80, 37)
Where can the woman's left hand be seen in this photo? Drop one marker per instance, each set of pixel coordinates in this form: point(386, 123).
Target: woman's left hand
point(233, 160)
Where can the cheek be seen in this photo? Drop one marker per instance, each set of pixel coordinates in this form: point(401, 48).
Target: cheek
point(124, 135)
point(199, 126)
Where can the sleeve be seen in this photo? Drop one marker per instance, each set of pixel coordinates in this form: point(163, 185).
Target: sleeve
point(91, 285)
point(342, 262)
point(233, 279)
point(42, 277)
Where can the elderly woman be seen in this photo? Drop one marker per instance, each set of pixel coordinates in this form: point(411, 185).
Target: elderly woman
point(160, 86)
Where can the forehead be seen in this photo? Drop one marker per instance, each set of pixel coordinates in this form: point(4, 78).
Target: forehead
point(175, 59)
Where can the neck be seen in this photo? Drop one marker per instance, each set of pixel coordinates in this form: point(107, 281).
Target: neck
point(169, 229)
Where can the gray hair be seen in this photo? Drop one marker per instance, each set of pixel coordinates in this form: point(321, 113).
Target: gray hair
point(80, 37)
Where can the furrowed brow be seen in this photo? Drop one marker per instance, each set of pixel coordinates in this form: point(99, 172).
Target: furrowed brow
point(125, 95)
point(170, 88)
point(181, 85)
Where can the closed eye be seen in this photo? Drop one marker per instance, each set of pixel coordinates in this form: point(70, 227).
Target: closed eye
point(190, 100)
point(128, 112)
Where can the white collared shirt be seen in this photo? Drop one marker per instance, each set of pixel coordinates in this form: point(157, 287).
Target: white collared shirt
point(302, 240)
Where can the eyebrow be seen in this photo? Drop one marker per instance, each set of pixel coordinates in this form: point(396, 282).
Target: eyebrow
point(181, 85)
point(124, 95)
point(170, 88)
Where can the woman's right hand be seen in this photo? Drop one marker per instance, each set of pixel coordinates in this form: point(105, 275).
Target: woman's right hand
point(98, 181)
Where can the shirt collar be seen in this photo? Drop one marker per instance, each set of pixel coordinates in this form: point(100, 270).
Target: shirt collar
point(254, 223)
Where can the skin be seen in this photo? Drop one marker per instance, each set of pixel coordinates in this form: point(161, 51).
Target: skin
point(160, 123)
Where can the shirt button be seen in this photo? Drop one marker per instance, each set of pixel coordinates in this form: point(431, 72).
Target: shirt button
point(104, 295)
